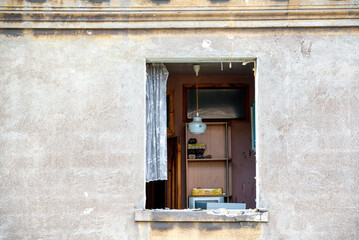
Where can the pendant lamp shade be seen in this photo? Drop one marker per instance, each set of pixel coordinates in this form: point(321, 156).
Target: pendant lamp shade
point(197, 126)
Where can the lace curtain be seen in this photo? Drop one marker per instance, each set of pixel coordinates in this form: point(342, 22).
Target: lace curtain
point(156, 124)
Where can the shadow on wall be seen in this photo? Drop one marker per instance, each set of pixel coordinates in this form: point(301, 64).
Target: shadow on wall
point(219, 1)
point(99, 1)
point(37, 1)
point(160, 1)
point(92, 1)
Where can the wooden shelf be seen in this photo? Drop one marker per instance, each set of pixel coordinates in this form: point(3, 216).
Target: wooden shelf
point(208, 159)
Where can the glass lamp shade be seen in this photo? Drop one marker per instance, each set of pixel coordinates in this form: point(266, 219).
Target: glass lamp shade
point(197, 126)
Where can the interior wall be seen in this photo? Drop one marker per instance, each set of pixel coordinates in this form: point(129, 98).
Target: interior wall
point(243, 160)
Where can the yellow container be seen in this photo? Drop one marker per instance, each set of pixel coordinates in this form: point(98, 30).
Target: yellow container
point(207, 191)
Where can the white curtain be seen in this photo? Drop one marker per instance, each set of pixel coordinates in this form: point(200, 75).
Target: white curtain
point(156, 122)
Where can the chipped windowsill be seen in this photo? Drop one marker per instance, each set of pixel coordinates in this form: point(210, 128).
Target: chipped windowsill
point(195, 215)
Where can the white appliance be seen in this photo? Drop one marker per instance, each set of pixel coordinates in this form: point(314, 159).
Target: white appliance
point(192, 200)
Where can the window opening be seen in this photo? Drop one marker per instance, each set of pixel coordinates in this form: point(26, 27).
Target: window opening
point(198, 165)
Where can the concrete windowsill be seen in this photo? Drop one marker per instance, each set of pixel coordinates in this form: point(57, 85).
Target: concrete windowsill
point(189, 215)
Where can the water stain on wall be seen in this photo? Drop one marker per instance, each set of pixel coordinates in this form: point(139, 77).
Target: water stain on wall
point(12, 32)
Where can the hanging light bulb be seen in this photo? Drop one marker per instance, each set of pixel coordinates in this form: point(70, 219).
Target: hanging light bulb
point(197, 126)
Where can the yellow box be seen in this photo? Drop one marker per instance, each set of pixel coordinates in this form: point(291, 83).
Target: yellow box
point(207, 191)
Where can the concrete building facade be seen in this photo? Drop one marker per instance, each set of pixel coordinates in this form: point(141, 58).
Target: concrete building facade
point(72, 115)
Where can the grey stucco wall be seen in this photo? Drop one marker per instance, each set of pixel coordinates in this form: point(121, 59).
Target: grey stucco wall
point(72, 128)
point(166, 3)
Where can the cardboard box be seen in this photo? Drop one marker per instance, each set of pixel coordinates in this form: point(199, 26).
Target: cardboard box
point(207, 191)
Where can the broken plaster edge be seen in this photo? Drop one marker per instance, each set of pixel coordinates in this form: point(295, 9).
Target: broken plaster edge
point(194, 215)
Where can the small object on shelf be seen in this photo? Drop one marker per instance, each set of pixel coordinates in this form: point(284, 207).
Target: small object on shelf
point(208, 157)
point(192, 141)
point(197, 146)
point(196, 149)
point(191, 156)
point(207, 191)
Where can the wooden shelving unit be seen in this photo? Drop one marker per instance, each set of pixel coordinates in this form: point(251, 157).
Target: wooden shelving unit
point(215, 171)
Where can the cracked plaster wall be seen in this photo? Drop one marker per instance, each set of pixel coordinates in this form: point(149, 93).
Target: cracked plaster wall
point(72, 128)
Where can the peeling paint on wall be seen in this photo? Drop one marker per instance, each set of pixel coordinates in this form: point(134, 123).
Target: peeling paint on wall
point(206, 43)
point(87, 211)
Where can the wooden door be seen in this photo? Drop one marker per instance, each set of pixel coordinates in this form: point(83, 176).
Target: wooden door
point(161, 194)
point(173, 183)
